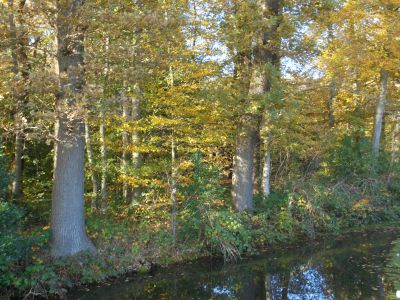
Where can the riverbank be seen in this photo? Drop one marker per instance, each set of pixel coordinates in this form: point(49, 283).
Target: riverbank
point(348, 266)
point(128, 247)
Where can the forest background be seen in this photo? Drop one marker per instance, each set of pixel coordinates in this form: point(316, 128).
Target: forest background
point(136, 133)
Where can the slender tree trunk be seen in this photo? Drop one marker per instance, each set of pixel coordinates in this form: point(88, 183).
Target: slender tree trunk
point(332, 87)
point(257, 166)
point(331, 99)
point(103, 157)
point(17, 178)
point(21, 70)
point(173, 191)
point(89, 151)
point(67, 215)
point(125, 153)
point(136, 156)
point(174, 224)
point(395, 141)
point(267, 167)
point(380, 108)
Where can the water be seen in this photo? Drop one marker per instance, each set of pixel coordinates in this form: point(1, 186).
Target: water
point(356, 266)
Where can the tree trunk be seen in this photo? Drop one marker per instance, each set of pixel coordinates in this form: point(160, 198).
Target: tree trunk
point(267, 167)
point(380, 108)
point(21, 70)
point(125, 154)
point(332, 87)
point(17, 178)
point(103, 156)
point(173, 191)
point(136, 156)
point(395, 141)
point(332, 96)
point(242, 179)
point(89, 151)
point(67, 215)
point(257, 166)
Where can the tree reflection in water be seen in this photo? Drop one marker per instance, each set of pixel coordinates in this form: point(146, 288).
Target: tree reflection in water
point(353, 267)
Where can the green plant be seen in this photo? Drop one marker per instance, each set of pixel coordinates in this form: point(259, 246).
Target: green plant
point(4, 175)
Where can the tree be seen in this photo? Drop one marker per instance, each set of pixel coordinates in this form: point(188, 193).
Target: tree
point(264, 57)
point(20, 68)
point(67, 216)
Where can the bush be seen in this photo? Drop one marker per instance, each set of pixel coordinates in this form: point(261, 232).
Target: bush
point(205, 217)
point(14, 248)
point(20, 268)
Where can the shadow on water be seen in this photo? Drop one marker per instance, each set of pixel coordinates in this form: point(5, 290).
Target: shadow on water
point(356, 266)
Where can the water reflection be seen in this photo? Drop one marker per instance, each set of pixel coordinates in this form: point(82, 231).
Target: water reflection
point(353, 267)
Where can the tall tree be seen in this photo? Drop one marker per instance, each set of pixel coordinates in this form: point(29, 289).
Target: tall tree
point(264, 55)
point(67, 215)
point(19, 38)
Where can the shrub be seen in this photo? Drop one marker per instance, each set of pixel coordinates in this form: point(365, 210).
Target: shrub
point(205, 217)
point(20, 268)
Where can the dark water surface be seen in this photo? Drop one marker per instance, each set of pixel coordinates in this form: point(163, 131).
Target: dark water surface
point(356, 266)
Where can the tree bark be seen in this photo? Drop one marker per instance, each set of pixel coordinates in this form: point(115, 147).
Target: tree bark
point(332, 87)
point(18, 163)
point(257, 165)
point(125, 153)
point(103, 157)
point(267, 167)
point(67, 216)
point(395, 141)
point(242, 178)
point(242, 181)
point(21, 72)
point(173, 191)
point(136, 156)
point(89, 151)
point(380, 108)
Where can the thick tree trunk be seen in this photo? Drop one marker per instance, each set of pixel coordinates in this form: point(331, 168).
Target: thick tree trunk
point(136, 156)
point(125, 153)
point(103, 157)
point(259, 84)
point(67, 215)
point(380, 108)
point(242, 177)
point(89, 151)
point(267, 167)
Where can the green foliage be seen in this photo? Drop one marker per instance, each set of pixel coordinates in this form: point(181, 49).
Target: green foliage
point(4, 175)
point(20, 267)
point(13, 246)
point(201, 197)
point(353, 157)
point(204, 216)
point(229, 233)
